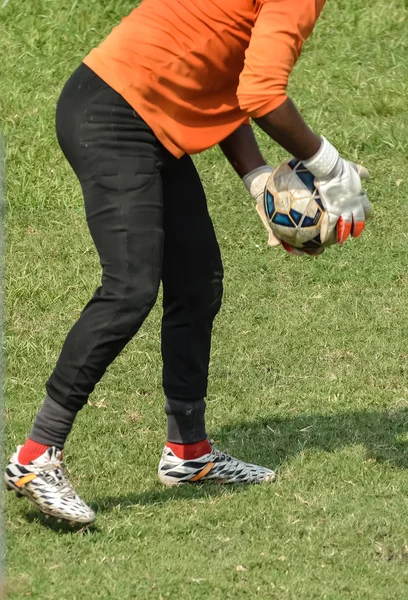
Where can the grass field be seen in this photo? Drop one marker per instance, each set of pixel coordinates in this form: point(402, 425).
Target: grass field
point(309, 364)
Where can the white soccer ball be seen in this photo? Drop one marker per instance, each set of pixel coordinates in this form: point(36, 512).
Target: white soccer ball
point(293, 207)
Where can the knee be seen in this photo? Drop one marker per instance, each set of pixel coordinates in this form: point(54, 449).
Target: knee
point(216, 290)
point(206, 299)
point(135, 305)
point(140, 299)
point(131, 303)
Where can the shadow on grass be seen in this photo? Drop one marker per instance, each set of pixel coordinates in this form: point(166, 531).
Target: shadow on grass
point(160, 495)
point(63, 527)
point(272, 442)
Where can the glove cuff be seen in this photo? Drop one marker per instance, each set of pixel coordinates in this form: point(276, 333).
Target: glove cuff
point(323, 162)
point(255, 181)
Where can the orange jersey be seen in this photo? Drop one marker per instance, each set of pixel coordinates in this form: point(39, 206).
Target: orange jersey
point(195, 70)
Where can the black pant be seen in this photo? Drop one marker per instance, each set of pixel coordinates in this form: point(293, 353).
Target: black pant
point(148, 217)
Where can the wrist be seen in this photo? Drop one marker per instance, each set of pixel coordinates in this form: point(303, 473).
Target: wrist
point(324, 163)
point(255, 181)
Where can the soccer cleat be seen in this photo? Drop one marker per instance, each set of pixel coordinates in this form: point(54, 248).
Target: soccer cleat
point(44, 481)
point(214, 466)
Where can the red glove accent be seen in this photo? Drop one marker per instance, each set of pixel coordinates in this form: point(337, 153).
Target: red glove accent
point(358, 227)
point(343, 230)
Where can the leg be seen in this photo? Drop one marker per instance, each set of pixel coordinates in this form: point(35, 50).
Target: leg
point(116, 158)
point(192, 292)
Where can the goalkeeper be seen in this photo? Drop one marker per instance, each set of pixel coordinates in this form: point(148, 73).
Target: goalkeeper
point(173, 79)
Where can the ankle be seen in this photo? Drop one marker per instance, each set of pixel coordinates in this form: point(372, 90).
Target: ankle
point(30, 451)
point(190, 451)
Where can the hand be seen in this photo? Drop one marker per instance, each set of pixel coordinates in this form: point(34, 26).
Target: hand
point(339, 183)
point(255, 182)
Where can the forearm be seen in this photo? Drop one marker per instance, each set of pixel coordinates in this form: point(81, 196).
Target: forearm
point(286, 126)
point(242, 151)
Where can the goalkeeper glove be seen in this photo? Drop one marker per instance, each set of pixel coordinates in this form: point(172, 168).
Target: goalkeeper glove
point(255, 182)
point(339, 184)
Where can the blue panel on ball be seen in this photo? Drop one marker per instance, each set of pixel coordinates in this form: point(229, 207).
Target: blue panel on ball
point(309, 222)
point(282, 219)
point(304, 175)
point(307, 179)
point(293, 162)
point(269, 204)
point(296, 216)
point(319, 202)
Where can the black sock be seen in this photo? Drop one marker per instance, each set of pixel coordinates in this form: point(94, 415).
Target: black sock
point(185, 421)
point(52, 424)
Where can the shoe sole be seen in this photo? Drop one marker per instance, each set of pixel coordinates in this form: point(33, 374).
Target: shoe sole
point(270, 479)
point(11, 488)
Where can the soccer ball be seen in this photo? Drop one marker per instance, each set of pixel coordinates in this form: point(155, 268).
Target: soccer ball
point(293, 207)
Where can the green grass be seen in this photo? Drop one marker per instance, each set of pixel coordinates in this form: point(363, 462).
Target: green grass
point(309, 364)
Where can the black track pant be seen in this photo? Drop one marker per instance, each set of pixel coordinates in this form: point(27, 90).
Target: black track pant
point(148, 217)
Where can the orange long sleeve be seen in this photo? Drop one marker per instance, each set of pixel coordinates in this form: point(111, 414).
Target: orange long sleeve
point(280, 30)
point(196, 69)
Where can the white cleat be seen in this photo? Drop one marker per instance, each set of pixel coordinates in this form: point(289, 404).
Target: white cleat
point(214, 466)
point(45, 482)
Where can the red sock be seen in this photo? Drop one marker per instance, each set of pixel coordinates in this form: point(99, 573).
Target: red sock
point(30, 451)
point(190, 451)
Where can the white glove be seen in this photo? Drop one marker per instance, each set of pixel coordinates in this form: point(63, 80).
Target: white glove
point(255, 182)
point(339, 184)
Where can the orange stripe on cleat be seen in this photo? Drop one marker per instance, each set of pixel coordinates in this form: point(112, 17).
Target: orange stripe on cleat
point(358, 228)
point(203, 472)
point(343, 230)
point(25, 479)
